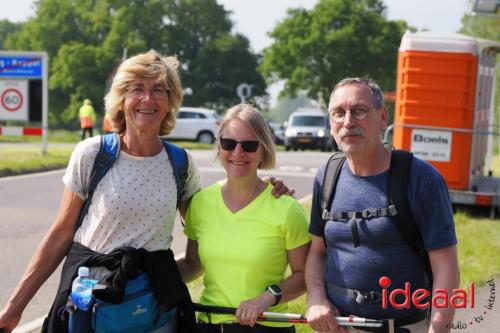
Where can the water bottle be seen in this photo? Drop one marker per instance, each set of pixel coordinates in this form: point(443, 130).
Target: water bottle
point(81, 290)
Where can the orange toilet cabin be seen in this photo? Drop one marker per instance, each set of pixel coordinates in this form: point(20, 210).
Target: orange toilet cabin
point(444, 106)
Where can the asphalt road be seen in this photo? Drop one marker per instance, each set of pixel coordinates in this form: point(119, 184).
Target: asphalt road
point(28, 206)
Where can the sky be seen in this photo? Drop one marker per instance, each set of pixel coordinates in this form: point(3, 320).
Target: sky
point(255, 18)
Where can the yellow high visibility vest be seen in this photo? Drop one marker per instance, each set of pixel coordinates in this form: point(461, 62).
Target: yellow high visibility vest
point(87, 116)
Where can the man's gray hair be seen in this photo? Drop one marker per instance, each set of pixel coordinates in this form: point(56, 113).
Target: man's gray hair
point(377, 93)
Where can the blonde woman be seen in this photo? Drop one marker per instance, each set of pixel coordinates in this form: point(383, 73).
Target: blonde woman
point(243, 238)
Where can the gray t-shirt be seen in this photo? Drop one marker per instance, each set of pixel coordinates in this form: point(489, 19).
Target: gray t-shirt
point(382, 250)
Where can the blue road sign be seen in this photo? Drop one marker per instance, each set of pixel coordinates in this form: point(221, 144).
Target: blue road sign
point(21, 66)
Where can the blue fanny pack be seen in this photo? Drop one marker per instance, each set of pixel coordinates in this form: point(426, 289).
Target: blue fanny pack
point(138, 312)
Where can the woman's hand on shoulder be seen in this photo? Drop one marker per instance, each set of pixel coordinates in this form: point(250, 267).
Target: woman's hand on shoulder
point(280, 188)
point(249, 311)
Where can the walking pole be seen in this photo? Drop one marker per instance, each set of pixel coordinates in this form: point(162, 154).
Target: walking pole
point(294, 318)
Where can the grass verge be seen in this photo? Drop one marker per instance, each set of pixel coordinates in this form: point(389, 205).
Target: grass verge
point(21, 160)
point(16, 159)
point(478, 249)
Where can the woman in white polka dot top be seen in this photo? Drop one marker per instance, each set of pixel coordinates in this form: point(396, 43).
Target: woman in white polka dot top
point(134, 205)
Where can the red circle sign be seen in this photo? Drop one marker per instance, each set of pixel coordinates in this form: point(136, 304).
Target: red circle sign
point(12, 100)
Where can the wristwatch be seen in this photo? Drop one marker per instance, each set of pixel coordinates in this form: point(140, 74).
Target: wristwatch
point(276, 291)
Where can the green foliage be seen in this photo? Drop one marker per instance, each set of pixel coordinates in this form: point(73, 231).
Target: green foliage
point(286, 105)
point(6, 28)
point(314, 49)
point(230, 65)
point(85, 40)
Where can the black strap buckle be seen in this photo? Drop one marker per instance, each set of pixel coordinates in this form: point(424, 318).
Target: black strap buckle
point(370, 297)
point(369, 213)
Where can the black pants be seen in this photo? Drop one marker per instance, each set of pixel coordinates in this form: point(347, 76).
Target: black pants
point(85, 130)
point(236, 328)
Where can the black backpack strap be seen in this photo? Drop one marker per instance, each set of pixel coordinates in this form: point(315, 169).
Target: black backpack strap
point(399, 178)
point(108, 152)
point(330, 178)
point(179, 160)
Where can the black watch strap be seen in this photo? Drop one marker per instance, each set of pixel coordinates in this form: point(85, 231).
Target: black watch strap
point(276, 291)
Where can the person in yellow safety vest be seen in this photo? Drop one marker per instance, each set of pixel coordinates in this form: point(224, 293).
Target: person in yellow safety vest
point(87, 118)
point(106, 124)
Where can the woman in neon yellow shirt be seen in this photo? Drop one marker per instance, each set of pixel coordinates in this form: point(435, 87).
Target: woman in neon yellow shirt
point(242, 237)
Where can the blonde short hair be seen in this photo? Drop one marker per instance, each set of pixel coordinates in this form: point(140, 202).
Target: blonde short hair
point(254, 119)
point(148, 65)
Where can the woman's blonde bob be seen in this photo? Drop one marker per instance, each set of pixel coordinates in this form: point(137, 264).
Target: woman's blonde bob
point(254, 119)
point(148, 65)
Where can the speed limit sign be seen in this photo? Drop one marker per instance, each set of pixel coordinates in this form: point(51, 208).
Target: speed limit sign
point(13, 100)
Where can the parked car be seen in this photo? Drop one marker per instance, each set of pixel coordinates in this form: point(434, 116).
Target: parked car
point(278, 131)
point(309, 128)
point(196, 124)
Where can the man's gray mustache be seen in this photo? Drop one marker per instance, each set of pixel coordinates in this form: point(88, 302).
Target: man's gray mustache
point(350, 132)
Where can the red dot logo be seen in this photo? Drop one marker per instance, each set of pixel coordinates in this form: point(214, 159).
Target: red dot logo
point(384, 282)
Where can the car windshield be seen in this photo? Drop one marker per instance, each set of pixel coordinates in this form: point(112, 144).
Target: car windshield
point(317, 121)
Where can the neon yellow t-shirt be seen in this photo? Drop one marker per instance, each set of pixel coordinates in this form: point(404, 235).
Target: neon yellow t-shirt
point(243, 252)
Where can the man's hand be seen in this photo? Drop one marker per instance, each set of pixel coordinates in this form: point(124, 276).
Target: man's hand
point(9, 319)
point(280, 187)
point(321, 317)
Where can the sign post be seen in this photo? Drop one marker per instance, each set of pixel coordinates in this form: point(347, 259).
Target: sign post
point(244, 91)
point(16, 69)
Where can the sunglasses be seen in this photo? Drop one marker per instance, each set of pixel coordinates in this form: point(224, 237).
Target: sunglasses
point(247, 146)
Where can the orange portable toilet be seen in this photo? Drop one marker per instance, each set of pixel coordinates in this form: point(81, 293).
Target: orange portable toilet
point(444, 103)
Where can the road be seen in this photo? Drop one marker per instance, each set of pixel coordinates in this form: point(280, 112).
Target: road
point(28, 206)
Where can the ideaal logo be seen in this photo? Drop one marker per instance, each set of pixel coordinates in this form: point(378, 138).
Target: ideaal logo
point(440, 298)
point(458, 299)
point(478, 317)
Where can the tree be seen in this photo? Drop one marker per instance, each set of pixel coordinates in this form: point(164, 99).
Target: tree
point(218, 69)
point(286, 106)
point(85, 40)
point(314, 49)
point(6, 28)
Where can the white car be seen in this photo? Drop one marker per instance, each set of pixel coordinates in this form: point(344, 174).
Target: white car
point(309, 128)
point(197, 124)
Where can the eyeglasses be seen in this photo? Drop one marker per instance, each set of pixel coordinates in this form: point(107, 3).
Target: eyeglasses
point(139, 92)
point(247, 146)
point(357, 112)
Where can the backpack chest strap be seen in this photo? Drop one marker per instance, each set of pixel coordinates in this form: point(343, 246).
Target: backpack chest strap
point(363, 214)
point(352, 216)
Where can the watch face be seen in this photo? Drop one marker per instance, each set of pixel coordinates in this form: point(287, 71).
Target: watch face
point(275, 290)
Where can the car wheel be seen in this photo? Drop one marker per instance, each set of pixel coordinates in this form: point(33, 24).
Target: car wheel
point(205, 137)
point(287, 148)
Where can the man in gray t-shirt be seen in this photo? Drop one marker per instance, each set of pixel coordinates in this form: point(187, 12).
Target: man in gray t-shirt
point(341, 269)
